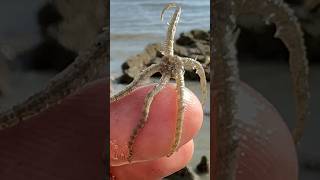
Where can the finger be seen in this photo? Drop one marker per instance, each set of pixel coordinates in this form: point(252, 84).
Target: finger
point(156, 138)
point(68, 137)
point(155, 169)
point(266, 148)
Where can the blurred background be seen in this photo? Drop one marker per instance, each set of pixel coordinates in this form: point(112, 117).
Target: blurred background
point(39, 39)
point(19, 33)
point(263, 63)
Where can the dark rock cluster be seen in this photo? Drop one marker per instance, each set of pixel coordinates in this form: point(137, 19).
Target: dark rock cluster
point(193, 44)
point(66, 28)
point(203, 167)
point(186, 173)
point(49, 54)
point(183, 174)
point(256, 42)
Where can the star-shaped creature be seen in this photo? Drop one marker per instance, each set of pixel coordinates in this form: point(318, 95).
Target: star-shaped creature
point(171, 66)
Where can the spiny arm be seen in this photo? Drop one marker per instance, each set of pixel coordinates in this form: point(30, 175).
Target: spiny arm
point(87, 67)
point(191, 64)
point(146, 108)
point(290, 33)
point(148, 72)
point(168, 43)
point(181, 108)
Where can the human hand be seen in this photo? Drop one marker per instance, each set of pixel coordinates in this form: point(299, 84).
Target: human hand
point(155, 139)
point(265, 146)
point(66, 141)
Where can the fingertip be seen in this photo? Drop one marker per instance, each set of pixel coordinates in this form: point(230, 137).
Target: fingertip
point(158, 168)
point(156, 137)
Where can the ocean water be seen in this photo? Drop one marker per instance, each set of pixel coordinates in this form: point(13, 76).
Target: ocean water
point(134, 24)
point(142, 17)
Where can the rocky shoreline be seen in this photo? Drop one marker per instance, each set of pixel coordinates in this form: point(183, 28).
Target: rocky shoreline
point(255, 36)
point(194, 44)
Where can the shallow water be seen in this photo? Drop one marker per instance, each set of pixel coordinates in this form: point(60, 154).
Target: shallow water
point(142, 17)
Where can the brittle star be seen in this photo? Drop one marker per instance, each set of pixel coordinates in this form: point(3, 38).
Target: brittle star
point(171, 66)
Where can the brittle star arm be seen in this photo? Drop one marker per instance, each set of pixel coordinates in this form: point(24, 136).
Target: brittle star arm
point(148, 72)
point(146, 108)
point(191, 64)
point(87, 67)
point(179, 77)
point(168, 43)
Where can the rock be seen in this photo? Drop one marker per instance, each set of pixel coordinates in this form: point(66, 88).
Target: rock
point(125, 79)
point(48, 16)
point(260, 44)
point(186, 39)
point(294, 2)
point(190, 38)
point(48, 55)
point(193, 44)
point(183, 174)
point(135, 64)
point(66, 29)
point(3, 74)
point(203, 167)
point(200, 34)
point(82, 21)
